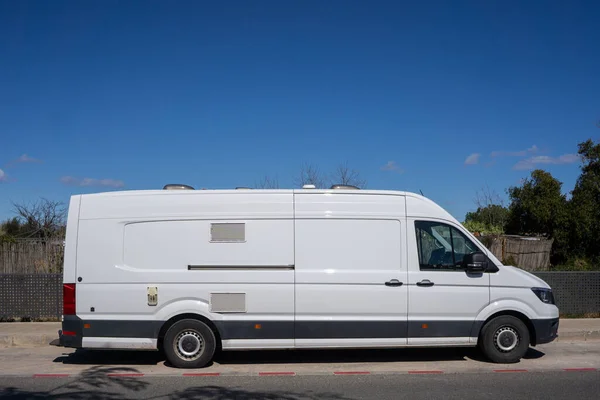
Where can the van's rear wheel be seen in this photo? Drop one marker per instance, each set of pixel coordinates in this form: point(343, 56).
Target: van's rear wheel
point(504, 339)
point(189, 343)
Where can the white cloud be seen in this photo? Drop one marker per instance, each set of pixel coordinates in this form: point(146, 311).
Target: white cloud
point(392, 166)
point(472, 159)
point(3, 176)
point(23, 159)
point(26, 159)
point(532, 162)
point(521, 153)
point(69, 180)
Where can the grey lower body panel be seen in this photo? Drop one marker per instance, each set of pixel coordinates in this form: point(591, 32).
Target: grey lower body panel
point(71, 334)
point(231, 330)
point(74, 329)
point(546, 330)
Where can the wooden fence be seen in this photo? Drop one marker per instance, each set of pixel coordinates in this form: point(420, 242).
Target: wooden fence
point(36, 256)
point(31, 257)
point(531, 254)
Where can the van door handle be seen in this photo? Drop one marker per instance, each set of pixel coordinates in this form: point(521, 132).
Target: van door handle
point(425, 282)
point(393, 282)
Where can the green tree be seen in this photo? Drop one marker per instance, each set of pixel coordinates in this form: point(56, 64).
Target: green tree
point(490, 216)
point(538, 207)
point(493, 216)
point(585, 204)
point(11, 227)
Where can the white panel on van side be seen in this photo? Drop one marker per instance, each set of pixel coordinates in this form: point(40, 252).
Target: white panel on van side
point(177, 245)
point(129, 242)
point(70, 261)
point(187, 204)
point(344, 251)
point(349, 205)
point(342, 267)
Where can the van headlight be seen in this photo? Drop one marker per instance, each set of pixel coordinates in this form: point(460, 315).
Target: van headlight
point(545, 295)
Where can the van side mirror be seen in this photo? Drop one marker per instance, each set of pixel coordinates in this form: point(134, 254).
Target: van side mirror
point(475, 262)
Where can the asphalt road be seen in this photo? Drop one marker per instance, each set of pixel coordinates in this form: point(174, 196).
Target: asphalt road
point(98, 384)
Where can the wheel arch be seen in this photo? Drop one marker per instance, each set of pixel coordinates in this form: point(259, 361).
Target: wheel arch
point(517, 314)
point(170, 322)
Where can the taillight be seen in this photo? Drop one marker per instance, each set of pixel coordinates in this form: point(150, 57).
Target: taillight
point(69, 299)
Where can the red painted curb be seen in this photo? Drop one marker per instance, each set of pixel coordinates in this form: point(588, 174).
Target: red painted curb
point(511, 370)
point(425, 372)
point(352, 373)
point(276, 374)
point(580, 369)
point(51, 375)
point(203, 374)
point(125, 375)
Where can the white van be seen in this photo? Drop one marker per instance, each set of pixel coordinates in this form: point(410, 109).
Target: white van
point(190, 272)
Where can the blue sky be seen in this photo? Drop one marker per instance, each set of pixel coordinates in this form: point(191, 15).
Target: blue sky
point(440, 96)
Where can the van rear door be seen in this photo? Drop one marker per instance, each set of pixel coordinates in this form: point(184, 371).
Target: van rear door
point(70, 255)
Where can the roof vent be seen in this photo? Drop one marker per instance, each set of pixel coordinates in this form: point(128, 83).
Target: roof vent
point(309, 187)
point(177, 186)
point(350, 187)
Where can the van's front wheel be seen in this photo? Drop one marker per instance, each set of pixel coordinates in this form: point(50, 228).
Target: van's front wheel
point(504, 339)
point(189, 343)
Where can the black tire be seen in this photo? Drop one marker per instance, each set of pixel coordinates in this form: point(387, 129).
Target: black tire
point(189, 343)
point(497, 339)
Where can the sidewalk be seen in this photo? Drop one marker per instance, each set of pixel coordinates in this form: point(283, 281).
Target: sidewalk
point(28, 334)
point(579, 329)
point(40, 334)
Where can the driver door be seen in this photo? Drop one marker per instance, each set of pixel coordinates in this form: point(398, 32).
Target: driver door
point(444, 299)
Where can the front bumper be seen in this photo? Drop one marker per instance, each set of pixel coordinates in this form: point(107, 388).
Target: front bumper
point(546, 330)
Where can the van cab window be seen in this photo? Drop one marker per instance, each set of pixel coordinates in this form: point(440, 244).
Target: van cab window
point(441, 246)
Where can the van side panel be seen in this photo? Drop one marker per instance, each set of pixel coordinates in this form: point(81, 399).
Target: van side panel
point(345, 254)
point(229, 258)
point(271, 245)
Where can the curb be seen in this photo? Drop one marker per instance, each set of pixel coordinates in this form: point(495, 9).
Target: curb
point(292, 374)
point(26, 340)
point(46, 340)
point(579, 335)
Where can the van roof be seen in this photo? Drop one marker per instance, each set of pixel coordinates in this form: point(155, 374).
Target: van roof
point(418, 204)
point(249, 191)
